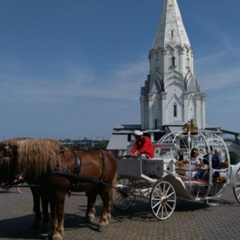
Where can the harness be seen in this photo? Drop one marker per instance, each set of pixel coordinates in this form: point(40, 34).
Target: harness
point(73, 177)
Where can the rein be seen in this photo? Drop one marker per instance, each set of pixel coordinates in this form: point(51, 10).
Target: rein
point(74, 176)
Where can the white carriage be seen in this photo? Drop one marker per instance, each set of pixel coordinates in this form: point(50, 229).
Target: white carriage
point(167, 176)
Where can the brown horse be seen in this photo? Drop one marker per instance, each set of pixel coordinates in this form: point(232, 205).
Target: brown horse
point(7, 176)
point(62, 170)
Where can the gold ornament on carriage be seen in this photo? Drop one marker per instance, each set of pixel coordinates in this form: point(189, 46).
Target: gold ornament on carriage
point(191, 127)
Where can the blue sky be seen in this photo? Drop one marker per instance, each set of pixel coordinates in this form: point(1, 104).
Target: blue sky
point(75, 68)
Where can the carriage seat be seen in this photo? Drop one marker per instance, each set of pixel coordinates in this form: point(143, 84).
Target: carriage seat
point(163, 149)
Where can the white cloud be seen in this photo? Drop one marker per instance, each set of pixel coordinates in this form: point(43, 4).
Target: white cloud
point(120, 82)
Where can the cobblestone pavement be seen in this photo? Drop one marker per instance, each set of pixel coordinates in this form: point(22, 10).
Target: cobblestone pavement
point(191, 220)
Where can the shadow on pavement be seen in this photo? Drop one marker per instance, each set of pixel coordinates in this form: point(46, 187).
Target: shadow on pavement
point(141, 211)
point(19, 228)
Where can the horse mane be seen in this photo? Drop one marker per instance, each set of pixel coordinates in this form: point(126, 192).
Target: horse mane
point(12, 140)
point(79, 148)
point(37, 156)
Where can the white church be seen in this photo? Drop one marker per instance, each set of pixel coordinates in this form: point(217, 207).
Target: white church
point(171, 95)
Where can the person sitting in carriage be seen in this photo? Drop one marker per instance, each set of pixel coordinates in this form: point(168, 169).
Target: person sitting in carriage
point(194, 157)
point(143, 146)
point(195, 160)
point(216, 164)
point(216, 161)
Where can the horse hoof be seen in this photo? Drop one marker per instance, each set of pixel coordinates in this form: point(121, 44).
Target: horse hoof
point(90, 218)
point(57, 236)
point(102, 226)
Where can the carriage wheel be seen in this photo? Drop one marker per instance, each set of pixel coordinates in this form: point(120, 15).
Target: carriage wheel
point(124, 197)
point(163, 200)
point(236, 189)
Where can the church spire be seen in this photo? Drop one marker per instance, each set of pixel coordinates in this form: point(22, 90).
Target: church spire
point(171, 93)
point(171, 30)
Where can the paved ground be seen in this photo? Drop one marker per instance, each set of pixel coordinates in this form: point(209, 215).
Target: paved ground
point(190, 220)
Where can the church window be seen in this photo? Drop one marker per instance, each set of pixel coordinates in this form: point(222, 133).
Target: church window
point(172, 34)
point(156, 124)
point(173, 61)
point(175, 110)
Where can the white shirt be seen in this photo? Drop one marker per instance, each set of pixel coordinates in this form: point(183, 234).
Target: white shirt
point(195, 161)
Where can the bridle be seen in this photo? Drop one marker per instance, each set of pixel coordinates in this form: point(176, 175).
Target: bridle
point(10, 174)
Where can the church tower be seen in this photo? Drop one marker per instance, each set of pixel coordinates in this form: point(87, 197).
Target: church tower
point(171, 94)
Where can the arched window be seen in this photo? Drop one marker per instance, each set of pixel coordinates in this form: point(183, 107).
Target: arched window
point(173, 61)
point(174, 110)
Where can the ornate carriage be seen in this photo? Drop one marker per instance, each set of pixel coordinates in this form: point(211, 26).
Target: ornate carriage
point(170, 174)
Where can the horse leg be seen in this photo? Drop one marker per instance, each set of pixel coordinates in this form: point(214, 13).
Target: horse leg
point(36, 208)
point(57, 213)
point(108, 194)
point(45, 223)
point(91, 206)
point(106, 213)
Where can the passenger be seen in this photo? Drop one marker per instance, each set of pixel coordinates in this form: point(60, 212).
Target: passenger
point(216, 162)
point(194, 160)
point(143, 146)
point(194, 157)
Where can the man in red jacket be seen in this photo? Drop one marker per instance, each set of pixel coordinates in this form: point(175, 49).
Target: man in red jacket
point(143, 146)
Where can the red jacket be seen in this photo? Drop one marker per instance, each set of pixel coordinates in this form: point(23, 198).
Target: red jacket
point(144, 145)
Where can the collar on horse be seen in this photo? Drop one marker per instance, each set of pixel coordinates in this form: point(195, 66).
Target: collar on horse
point(77, 160)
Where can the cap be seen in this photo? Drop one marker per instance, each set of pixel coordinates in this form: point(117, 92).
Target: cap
point(138, 133)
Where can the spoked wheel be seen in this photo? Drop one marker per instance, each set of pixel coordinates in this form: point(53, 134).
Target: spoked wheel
point(163, 200)
point(236, 188)
point(124, 197)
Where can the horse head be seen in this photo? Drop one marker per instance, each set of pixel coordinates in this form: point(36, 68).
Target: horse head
point(8, 164)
